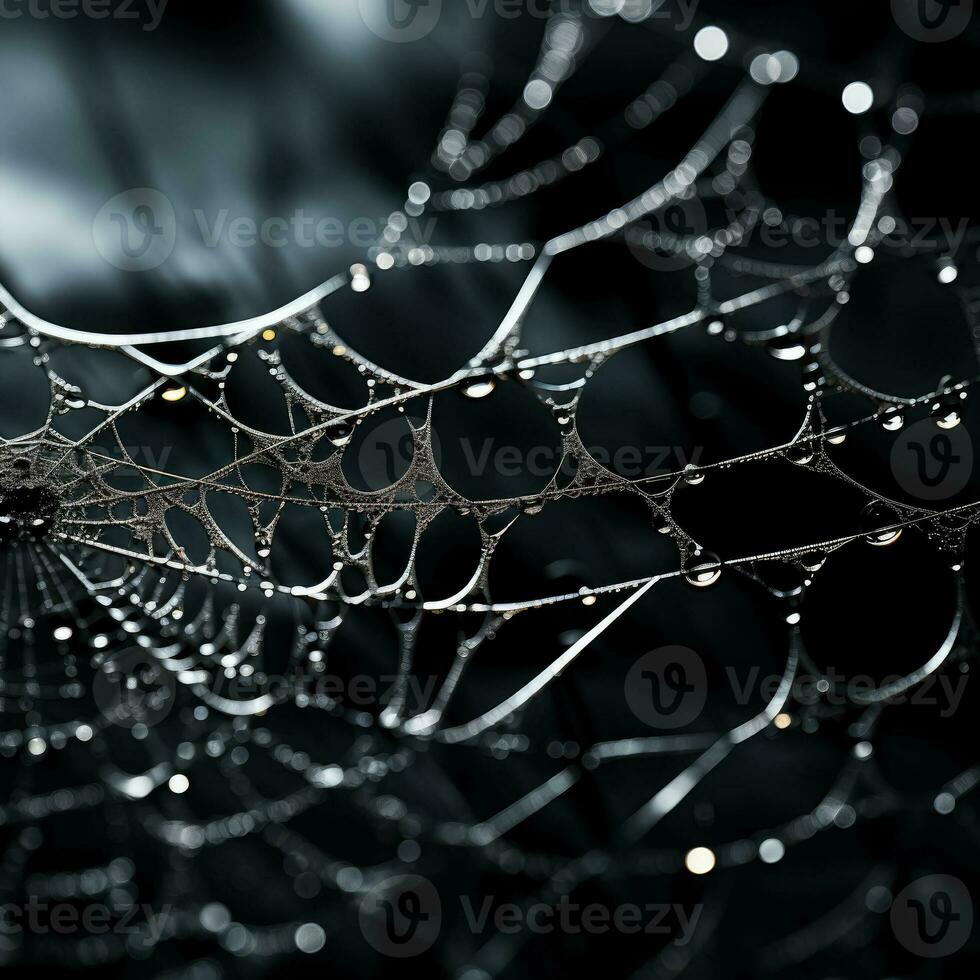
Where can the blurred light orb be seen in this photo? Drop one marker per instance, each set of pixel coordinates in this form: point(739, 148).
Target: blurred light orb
point(711, 43)
point(905, 120)
point(607, 8)
point(310, 938)
point(360, 280)
point(537, 93)
point(700, 860)
point(771, 851)
point(419, 192)
point(789, 66)
point(946, 271)
point(857, 97)
point(774, 69)
point(634, 11)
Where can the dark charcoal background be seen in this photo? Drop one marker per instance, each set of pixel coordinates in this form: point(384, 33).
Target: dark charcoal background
point(267, 108)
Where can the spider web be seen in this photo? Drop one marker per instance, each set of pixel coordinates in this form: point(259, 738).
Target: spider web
point(181, 592)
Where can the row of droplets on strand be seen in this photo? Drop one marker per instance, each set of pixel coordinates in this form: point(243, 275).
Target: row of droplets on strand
point(698, 860)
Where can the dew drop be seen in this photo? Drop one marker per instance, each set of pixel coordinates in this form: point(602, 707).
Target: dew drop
point(174, 394)
point(263, 545)
point(801, 453)
point(704, 570)
point(813, 561)
point(946, 412)
point(892, 419)
point(875, 517)
point(339, 433)
point(480, 387)
point(783, 577)
point(692, 475)
point(787, 348)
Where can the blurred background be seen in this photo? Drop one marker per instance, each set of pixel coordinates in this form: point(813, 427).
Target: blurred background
point(248, 129)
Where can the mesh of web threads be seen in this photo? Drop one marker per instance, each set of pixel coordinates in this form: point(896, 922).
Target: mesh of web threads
point(107, 580)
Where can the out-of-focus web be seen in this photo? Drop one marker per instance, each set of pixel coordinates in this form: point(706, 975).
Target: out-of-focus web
point(106, 572)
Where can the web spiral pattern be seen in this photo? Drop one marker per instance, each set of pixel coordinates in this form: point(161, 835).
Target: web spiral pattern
point(170, 633)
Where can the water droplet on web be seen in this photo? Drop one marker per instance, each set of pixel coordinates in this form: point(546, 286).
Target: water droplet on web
point(480, 387)
point(876, 517)
point(339, 433)
point(783, 577)
point(263, 544)
point(813, 376)
point(893, 419)
point(801, 453)
point(692, 475)
point(946, 412)
point(704, 570)
point(787, 348)
point(813, 561)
